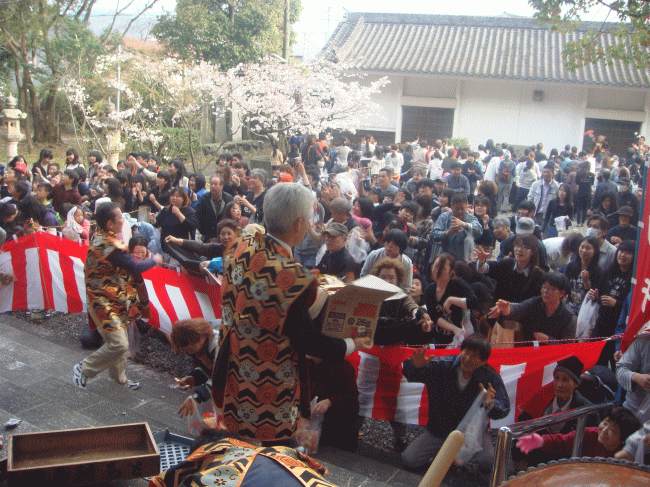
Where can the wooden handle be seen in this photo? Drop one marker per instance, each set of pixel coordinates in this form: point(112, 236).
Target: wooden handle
point(443, 460)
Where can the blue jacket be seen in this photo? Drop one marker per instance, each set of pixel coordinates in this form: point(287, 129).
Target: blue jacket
point(447, 404)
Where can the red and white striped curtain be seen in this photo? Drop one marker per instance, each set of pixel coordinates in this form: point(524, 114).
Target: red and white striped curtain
point(49, 274)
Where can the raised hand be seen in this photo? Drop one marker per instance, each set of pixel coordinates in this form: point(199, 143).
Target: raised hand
point(488, 397)
point(420, 359)
point(480, 254)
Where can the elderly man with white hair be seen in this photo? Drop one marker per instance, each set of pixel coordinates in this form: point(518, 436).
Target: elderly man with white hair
point(265, 308)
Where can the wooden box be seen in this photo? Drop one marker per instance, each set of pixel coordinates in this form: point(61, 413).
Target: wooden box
point(82, 456)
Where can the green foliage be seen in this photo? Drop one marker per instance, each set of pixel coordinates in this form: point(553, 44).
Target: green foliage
point(459, 142)
point(176, 144)
point(224, 33)
point(632, 35)
point(56, 34)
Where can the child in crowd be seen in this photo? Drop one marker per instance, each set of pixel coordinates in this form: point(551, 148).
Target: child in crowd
point(198, 339)
point(43, 195)
point(138, 248)
point(139, 251)
point(604, 440)
point(76, 227)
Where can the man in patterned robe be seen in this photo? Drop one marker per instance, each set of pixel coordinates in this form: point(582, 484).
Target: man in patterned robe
point(116, 296)
point(232, 462)
point(260, 376)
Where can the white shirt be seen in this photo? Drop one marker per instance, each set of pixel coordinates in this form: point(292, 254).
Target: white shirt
point(491, 171)
point(435, 169)
point(395, 162)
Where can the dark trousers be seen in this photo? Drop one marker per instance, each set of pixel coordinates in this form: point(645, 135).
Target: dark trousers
point(582, 205)
point(522, 194)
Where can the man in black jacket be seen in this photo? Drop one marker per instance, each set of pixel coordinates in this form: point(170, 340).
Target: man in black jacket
point(209, 211)
point(453, 383)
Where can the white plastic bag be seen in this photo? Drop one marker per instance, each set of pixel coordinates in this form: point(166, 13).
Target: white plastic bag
point(310, 430)
point(586, 318)
point(560, 223)
point(196, 423)
point(473, 426)
point(467, 327)
point(468, 245)
point(357, 246)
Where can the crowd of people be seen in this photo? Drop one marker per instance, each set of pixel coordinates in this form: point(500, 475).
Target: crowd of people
point(474, 238)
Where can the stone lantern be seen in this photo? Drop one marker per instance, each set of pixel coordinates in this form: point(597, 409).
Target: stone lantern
point(10, 118)
point(112, 135)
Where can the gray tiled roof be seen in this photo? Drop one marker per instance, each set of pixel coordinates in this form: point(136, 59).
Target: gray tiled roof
point(488, 47)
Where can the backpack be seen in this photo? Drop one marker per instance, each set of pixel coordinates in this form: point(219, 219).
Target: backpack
point(505, 175)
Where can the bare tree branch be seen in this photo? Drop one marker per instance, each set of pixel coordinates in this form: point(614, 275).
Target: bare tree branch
point(88, 12)
point(66, 9)
point(148, 7)
point(117, 13)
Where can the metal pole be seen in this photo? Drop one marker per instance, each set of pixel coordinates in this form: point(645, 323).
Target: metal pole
point(119, 76)
point(501, 456)
point(285, 41)
point(580, 433)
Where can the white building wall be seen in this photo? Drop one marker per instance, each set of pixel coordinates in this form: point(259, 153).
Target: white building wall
point(386, 119)
point(506, 111)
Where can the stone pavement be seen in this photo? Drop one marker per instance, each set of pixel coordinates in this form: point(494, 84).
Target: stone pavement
point(36, 386)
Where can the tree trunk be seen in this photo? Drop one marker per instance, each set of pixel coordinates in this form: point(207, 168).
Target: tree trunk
point(23, 106)
point(44, 122)
point(287, 30)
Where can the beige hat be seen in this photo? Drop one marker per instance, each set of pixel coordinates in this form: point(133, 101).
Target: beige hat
point(336, 229)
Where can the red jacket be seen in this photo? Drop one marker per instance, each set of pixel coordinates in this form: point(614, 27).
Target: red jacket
point(562, 444)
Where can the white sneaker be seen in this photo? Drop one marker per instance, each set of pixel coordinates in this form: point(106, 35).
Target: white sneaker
point(78, 377)
point(132, 385)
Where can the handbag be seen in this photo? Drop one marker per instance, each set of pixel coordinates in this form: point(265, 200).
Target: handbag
point(501, 337)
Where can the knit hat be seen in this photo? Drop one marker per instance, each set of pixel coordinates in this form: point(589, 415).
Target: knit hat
point(571, 366)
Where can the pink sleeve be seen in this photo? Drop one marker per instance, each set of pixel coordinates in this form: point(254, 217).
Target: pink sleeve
point(86, 233)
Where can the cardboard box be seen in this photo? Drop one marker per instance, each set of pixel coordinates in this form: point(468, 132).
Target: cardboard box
point(353, 311)
point(82, 456)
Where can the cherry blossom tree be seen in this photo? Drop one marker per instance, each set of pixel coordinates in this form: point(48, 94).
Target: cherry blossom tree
point(272, 98)
point(275, 98)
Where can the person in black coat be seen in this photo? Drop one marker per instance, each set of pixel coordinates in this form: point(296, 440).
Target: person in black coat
point(337, 261)
point(516, 279)
point(453, 383)
point(447, 297)
point(624, 230)
point(209, 211)
point(178, 219)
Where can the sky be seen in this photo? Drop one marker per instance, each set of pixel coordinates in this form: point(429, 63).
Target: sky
point(319, 18)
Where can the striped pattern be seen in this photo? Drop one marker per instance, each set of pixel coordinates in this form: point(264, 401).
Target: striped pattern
point(527, 374)
point(483, 47)
point(49, 274)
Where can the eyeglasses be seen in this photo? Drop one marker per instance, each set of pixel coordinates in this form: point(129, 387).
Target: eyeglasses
point(548, 289)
